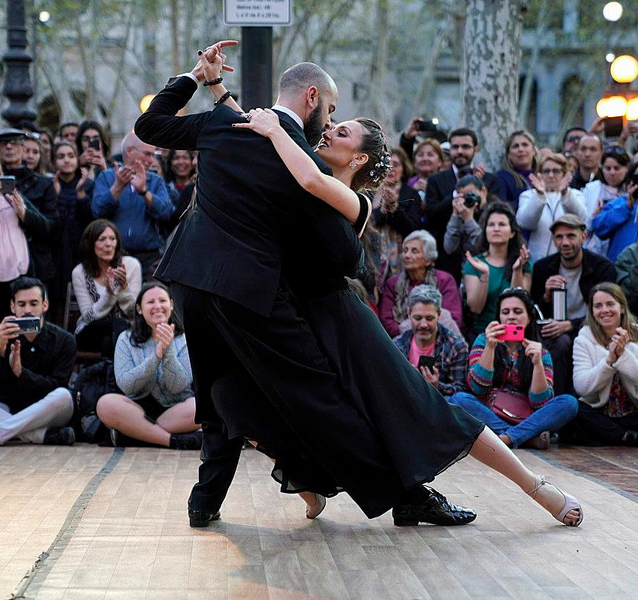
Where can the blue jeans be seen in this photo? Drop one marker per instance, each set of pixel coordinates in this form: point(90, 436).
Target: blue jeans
point(551, 417)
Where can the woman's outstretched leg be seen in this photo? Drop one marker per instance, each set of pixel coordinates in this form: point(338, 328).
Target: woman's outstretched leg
point(315, 503)
point(491, 451)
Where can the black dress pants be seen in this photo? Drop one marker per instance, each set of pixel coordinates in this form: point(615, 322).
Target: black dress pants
point(283, 357)
point(592, 427)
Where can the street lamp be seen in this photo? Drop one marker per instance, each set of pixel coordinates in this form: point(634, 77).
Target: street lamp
point(624, 69)
point(146, 102)
point(17, 86)
point(612, 11)
point(619, 103)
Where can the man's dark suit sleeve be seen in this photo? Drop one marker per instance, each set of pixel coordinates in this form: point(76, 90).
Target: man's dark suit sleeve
point(492, 184)
point(437, 205)
point(159, 126)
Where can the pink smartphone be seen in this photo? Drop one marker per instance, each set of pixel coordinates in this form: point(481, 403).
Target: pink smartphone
point(513, 333)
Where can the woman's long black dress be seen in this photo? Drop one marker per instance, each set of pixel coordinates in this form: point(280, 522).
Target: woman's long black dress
point(421, 432)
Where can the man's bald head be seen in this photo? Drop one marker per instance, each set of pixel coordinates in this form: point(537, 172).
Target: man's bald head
point(299, 77)
point(133, 149)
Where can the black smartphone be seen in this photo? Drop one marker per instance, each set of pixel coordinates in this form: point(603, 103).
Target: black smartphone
point(28, 324)
point(613, 126)
point(95, 144)
point(7, 184)
point(426, 361)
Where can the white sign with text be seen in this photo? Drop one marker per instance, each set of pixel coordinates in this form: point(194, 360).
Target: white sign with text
point(257, 13)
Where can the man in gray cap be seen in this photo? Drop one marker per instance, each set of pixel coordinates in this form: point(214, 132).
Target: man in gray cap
point(577, 270)
point(35, 205)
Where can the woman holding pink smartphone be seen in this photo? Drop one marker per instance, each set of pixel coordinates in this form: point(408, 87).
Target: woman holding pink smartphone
point(511, 377)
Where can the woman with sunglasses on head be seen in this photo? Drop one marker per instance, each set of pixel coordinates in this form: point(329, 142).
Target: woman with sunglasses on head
point(550, 198)
point(421, 432)
point(606, 371)
point(511, 378)
point(613, 183)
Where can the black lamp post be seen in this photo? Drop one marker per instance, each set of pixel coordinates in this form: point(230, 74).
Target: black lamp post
point(17, 83)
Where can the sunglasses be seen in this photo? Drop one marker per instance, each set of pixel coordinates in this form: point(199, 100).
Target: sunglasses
point(573, 138)
point(552, 172)
point(616, 151)
point(514, 291)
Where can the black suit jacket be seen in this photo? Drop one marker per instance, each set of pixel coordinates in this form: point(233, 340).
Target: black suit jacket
point(596, 269)
point(438, 210)
point(230, 243)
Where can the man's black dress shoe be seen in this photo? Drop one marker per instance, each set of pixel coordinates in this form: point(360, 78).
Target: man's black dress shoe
point(202, 518)
point(436, 510)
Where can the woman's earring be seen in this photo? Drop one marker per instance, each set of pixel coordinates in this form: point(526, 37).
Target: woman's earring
point(352, 164)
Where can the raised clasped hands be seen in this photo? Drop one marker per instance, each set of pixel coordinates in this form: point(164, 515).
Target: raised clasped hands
point(262, 121)
point(165, 334)
point(214, 56)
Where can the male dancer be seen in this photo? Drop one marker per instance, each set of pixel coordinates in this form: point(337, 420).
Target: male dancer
point(225, 268)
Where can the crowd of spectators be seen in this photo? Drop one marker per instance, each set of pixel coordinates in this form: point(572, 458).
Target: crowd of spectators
point(456, 257)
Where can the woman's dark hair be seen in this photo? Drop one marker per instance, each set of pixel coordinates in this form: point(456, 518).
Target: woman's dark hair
point(477, 182)
point(87, 246)
point(525, 365)
point(374, 144)
point(169, 174)
point(406, 165)
point(54, 151)
point(618, 154)
point(515, 243)
point(140, 330)
point(104, 143)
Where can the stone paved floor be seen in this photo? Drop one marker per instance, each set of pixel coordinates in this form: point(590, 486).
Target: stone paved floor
point(113, 525)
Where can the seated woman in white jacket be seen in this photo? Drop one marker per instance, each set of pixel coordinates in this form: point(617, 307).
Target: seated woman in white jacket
point(606, 371)
point(106, 284)
point(614, 168)
point(550, 198)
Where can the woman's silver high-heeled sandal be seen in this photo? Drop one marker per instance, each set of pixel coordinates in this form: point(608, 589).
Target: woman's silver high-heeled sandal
point(570, 504)
point(312, 512)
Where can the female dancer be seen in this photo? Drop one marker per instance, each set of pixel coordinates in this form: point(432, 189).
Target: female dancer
point(359, 349)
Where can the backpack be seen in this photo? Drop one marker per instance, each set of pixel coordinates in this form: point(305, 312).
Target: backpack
point(91, 384)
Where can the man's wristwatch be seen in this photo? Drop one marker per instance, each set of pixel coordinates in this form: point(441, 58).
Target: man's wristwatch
point(144, 192)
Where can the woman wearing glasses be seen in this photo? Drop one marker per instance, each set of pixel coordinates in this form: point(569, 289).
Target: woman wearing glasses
point(615, 166)
point(512, 380)
point(550, 198)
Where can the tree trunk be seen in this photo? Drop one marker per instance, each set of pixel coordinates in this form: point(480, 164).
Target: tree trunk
point(528, 85)
point(377, 99)
point(490, 72)
point(175, 37)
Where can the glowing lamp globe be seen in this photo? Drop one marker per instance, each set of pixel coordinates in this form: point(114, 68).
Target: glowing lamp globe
point(612, 11)
point(632, 109)
point(612, 106)
point(146, 102)
point(624, 69)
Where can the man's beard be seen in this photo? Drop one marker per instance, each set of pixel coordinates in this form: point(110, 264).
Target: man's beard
point(314, 125)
